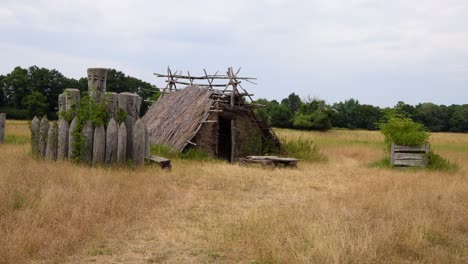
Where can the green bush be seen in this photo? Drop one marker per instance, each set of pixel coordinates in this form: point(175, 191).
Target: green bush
point(303, 149)
point(15, 113)
point(436, 162)
point(404, 131)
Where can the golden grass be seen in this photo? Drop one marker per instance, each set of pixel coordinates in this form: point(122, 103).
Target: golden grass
point(329, 212)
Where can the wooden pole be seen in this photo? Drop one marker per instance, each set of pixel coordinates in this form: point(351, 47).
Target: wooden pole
point(2, 127)
point(233, 124)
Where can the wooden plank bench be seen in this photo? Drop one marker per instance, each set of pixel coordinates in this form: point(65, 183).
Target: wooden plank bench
point(269, 161)
point(162, 162)
point(409, 156)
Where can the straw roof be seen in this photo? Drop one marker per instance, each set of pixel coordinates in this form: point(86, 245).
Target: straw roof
point(175, 118)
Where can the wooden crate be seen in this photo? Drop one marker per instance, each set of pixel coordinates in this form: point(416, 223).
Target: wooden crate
point(409, 156)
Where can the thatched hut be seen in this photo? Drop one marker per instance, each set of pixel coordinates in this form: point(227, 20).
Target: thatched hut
point(216, 121)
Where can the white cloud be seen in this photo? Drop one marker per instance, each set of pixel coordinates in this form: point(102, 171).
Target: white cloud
point(271, 37)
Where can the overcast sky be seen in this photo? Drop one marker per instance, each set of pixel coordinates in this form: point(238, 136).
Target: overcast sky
point(378, 52)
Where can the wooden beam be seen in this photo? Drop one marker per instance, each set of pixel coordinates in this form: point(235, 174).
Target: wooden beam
point(215, 77)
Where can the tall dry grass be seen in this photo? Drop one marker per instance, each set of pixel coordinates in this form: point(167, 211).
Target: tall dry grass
point(327, 212)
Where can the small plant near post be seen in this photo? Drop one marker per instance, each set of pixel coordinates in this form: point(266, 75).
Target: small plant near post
point(407, 142)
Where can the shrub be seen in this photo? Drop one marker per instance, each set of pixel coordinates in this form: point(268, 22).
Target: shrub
point(304, 149)
point(403, 131)
point(15, 113)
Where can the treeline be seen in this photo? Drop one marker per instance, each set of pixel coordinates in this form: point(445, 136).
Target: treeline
point(316, 114)
point(34, 91)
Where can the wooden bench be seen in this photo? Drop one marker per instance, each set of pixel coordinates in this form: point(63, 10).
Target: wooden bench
point(162, 162)
point(409, 156)
point(269, 161)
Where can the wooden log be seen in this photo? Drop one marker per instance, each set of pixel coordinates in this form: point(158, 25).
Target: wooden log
point(214, 77)
point(409, 156)
point(402, 148)
point(162, 162)
point(410, 163)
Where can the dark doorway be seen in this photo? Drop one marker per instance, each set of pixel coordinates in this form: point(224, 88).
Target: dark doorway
point(224, 138)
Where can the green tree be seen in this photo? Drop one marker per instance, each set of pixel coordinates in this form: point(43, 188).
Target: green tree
point(281, 116)
point(36, 104)
point(15, 86)
point(403, 131)
point(293, 102)
point(314, 114)
point(434, 117)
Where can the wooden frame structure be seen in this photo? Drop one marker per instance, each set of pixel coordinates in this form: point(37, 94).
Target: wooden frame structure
point(227, 94)
point(409, 156)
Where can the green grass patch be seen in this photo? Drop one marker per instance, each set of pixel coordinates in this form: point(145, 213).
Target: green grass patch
point(435, 163)
point(303, 149)
point(189, 154)
point(17, 139)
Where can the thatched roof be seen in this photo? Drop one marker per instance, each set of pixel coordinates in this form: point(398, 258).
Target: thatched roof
point(176, 116)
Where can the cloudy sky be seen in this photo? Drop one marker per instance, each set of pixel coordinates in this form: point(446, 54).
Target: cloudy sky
point(378, 52)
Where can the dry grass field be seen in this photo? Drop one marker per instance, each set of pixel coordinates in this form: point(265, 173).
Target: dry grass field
point(337, 211)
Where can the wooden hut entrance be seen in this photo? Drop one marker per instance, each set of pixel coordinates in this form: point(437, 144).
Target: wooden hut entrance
point(224, 138)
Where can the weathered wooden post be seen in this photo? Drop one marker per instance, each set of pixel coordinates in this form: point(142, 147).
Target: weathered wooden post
point(43, 133)
point(35, 126)
point(51, 149)
point(63, 130)
point(97, 82)
point(72, 98)
point(62, 102)
point(147, 142)
point(88, 133)
point(122, 144)
point(2, 127)
point(99, 145)
point(71, 137)
point(112, 105)
point(139, 147)
point(129, 103)
point(111, 142)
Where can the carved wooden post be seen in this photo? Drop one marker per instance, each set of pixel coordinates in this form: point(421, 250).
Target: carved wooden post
point(2, 127)
point(35, 126)
point(51, 149)
point(71, 130)
point(88, 133)
point(111, 142)
point(97, 78)
point(63, 130)
point(130, 104)
point(62, 102)
point(99, 145)
point(112, 105)
point(122, 144)
point(139, 147)
point(43, 133)
point(72, 98)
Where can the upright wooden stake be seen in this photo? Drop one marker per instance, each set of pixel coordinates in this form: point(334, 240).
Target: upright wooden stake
point(233, 134)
